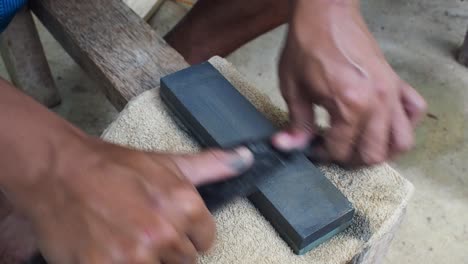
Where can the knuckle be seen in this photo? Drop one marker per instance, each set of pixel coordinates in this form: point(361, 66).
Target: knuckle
point(405, 144)
point(193, 207)
point(381, 92)
point(358, 101)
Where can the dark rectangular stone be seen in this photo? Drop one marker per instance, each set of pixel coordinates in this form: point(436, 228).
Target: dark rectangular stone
point(303, 206)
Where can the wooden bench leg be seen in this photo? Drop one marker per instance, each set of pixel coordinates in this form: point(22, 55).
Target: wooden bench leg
point(111, 43)
point(463, 55)
point(26, 63)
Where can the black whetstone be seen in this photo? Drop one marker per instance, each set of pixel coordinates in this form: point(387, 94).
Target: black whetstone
point(304, 207)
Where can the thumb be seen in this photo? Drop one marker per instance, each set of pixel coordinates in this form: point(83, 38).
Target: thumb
point(214, 165)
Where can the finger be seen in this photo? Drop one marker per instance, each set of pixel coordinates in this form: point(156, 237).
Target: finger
point(301, 127)
point(414, 104)
point(189, 215)
point(373, 142)
point(203, 231)
point(173, 247)
point(214, 165)
point(292, 138)
point(302, 118)
point(402, 138)
point(347, 115)
point(182, 252)
point(340, 139)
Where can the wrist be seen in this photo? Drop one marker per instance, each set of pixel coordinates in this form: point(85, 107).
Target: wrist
point(35, 147)
point(36, 144)
point(315, 22)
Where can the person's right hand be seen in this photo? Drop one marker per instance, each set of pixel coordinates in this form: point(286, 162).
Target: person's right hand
point(110, 204)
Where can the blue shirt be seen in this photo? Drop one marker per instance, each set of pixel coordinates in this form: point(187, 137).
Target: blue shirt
point(8, 9)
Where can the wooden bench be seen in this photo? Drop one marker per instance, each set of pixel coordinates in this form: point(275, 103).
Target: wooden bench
point(127, 57)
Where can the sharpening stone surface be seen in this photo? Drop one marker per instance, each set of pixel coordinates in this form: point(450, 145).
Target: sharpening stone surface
point(303, 206)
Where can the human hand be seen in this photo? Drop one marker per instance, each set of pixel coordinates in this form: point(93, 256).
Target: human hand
point(332, 60)
point(110, 204)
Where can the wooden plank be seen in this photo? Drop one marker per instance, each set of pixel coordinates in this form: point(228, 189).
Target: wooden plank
point(111, 43)
point(144, 8)
point(463, 54)
point(25, 61)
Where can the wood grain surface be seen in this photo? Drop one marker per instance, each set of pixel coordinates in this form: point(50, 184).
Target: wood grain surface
point(111, 43)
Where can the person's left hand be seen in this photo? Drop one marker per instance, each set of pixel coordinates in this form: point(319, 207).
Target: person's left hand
point(332, 60)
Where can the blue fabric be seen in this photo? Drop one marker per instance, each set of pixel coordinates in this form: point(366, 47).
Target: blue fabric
point(8, 9)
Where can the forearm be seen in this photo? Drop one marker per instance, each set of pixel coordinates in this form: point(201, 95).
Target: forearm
point(226, 24)
point(314, 3)
point(319, 22)
point(33, 141)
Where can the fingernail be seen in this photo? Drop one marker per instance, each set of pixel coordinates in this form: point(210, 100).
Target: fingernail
point(289, 142)
point(242, 159)
point(283, 141)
